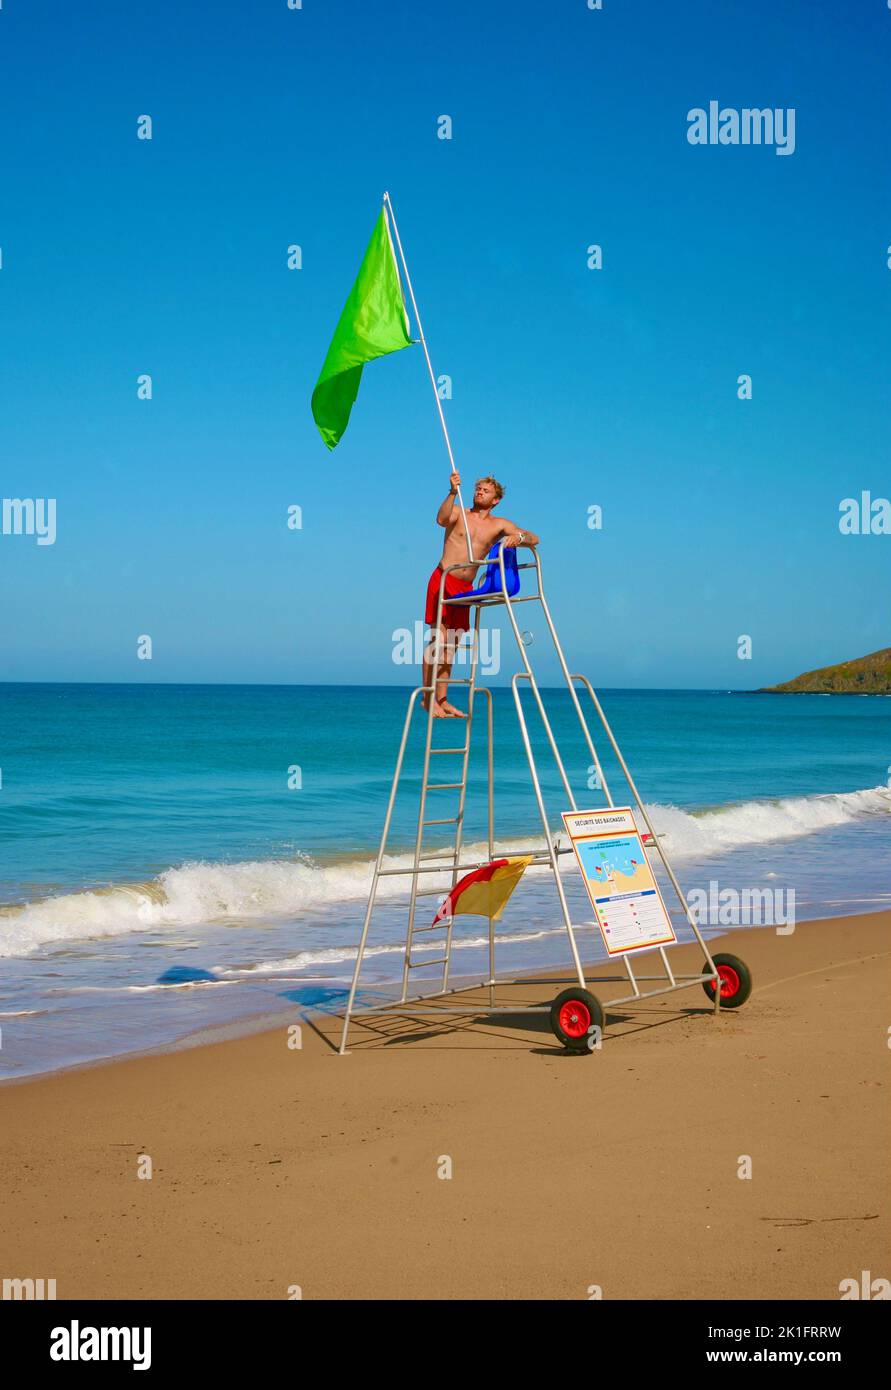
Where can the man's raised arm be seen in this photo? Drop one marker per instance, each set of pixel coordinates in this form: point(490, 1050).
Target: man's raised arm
point(443, 516)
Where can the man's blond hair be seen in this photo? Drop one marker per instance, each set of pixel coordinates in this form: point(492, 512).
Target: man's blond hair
point(499, 490)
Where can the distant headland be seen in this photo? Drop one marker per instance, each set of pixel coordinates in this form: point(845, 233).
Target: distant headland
point(867, 675)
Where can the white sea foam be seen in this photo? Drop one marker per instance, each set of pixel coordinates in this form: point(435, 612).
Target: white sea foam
point(759, 822)
point(328, 956)
point(196, 893)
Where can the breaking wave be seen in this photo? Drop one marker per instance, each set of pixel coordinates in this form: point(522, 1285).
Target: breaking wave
point(201, 892)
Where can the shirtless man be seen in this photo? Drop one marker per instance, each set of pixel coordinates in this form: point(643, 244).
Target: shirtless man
point(485, 530)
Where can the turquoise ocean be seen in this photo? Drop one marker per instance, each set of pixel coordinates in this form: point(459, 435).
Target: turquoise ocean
point(177, 859)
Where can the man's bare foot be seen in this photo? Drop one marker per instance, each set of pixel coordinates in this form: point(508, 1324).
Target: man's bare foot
point(438, 712)
point(451, 712)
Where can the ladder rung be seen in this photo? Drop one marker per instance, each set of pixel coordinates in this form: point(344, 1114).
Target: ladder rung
point(448, 750)
point(443, 786)
point(442, 820)
point(441, 868)
point(418, 965)
point(437, 926)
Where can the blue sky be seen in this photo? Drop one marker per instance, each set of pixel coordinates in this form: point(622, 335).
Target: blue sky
point(576, 387)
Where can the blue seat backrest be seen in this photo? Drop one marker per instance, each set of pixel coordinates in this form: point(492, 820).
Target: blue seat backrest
point(491, 583)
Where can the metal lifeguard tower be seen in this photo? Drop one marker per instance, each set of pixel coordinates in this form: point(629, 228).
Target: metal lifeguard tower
point(576, 1015)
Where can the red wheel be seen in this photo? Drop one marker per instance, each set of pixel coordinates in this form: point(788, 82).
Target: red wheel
point(729, 981)
point(575, 1018)
point(736, 981)
point(574, 1015)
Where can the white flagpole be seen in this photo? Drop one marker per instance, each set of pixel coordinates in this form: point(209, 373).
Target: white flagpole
point(414, 305)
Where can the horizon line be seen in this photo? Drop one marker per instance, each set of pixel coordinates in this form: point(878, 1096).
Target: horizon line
point(361, 685)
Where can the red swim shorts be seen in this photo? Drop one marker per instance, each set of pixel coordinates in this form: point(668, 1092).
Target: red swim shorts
point(457, 618)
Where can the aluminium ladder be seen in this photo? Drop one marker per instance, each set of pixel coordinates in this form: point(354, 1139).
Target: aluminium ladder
point(448, 860)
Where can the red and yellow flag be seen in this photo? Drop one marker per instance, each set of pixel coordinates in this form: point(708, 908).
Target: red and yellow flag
point(485, 891)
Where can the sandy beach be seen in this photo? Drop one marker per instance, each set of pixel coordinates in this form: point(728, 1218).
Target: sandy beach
point(275, 1167)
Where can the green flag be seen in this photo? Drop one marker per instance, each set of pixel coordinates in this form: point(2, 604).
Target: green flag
point(373, 323)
